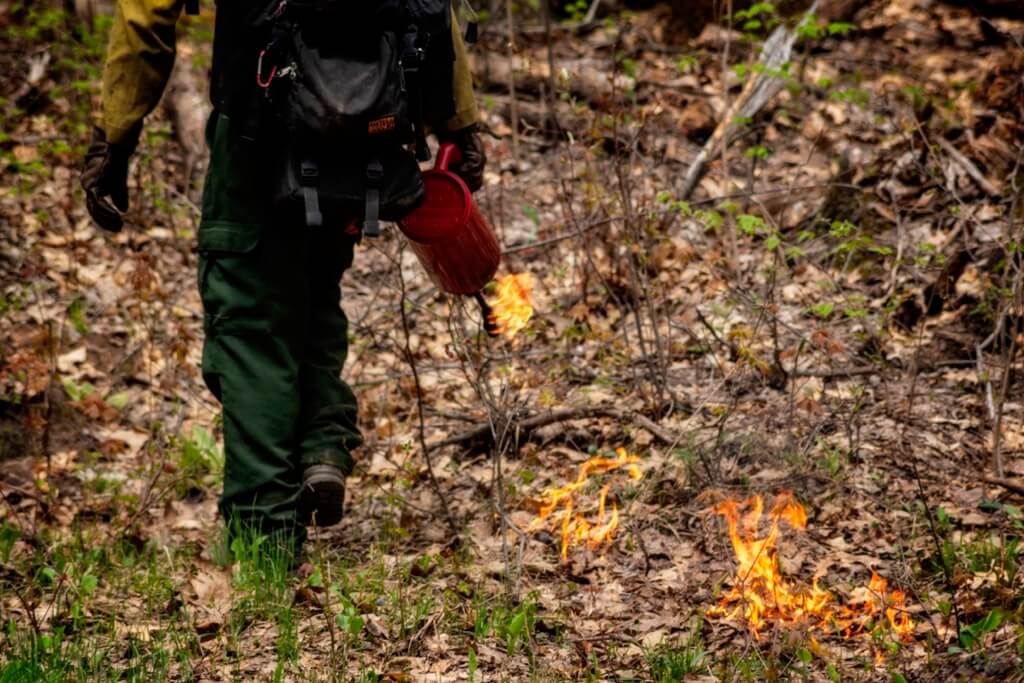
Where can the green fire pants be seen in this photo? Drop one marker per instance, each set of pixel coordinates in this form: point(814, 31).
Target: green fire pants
point(276, 336)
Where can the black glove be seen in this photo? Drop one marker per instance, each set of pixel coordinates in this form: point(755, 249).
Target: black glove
point(471, 147)
point(105, 181)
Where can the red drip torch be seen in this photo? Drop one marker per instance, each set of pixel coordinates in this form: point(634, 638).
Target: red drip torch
point(450, 237)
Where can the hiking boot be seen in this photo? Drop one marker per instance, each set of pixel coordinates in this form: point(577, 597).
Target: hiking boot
point(322, 499)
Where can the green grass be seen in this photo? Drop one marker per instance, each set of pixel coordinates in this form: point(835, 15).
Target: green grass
point(671, 663)
point(101, 611)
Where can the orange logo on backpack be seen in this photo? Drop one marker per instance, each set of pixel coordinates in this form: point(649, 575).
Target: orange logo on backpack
point(381, 125)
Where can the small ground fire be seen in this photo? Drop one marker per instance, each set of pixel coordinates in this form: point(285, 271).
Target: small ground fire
point(763, 597)
point(570, 518)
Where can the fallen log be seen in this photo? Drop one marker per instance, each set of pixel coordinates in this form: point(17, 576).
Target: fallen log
point(188, 107)
point(587, 79)
point(533, 114)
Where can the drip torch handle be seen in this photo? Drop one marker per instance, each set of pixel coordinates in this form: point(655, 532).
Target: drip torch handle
point(447, 155)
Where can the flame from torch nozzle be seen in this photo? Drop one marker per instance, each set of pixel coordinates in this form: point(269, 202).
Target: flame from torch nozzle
point(512, 307)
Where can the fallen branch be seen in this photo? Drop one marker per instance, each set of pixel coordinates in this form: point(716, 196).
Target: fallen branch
point(482, 434)
point(1007, 484)
point(761, 87)
point(968, 167)
point(837, 373)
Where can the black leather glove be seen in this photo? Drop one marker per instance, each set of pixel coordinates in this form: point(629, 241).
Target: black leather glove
point(105, 181)
point(471, 146)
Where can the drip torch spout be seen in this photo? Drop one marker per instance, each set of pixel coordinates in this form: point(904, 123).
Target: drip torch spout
point(485, 310)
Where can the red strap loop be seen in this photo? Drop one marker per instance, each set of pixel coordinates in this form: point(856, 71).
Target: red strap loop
point(259, 72)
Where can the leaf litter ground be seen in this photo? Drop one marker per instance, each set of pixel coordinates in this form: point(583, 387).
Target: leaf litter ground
point(748, 343)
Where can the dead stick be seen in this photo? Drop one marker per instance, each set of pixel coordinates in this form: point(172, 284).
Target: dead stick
point(1007, 484)
point(755, 94)
point(834, 373)
point(484, 434)
point(969, 167)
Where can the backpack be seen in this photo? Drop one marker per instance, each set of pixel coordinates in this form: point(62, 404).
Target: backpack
point(350, 86)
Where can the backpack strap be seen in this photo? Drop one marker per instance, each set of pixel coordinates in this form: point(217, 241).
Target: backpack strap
point(471, 34)
point(371, 214)
point(411, 60)
point(310, 179)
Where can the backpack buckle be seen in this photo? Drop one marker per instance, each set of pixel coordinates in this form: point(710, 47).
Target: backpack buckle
point(374, 173)
point(309, 172)
point(309, 178)
point(371, 208)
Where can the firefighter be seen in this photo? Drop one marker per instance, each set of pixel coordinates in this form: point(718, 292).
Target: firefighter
point(275, 334)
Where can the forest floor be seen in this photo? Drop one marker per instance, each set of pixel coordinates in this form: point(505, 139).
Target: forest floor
point(831, 322)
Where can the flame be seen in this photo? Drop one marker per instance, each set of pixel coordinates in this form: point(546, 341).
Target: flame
point(894, 605)
point(512, 307)
point(576, 530)
point(765, 597)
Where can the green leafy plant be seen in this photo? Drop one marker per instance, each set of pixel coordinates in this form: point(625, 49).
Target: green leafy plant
point(972, 636)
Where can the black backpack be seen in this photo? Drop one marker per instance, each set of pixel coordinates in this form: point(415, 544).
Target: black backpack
point(351, 85)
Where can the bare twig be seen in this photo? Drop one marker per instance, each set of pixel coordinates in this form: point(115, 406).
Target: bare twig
point(146, 499)
point(1015, 302)
point(513, 105)
point(453, 527)
point(922, 494)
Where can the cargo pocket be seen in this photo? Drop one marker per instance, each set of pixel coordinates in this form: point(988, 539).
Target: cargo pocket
point(235, 212)
point(229, 286)
point(231, 275)
point(237, 186)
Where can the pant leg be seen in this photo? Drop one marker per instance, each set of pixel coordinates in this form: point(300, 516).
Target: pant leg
point(251, 280)
point(328, 432)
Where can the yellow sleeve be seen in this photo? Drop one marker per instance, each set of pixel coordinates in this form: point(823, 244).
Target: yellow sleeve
point(140, 56)
point(466, 112)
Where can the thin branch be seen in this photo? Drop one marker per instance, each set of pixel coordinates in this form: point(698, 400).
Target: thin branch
point(453, 527)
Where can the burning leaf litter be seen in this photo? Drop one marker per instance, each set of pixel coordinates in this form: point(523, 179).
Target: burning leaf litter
point(764, 597)
point(559, 505)
point(512, 307)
